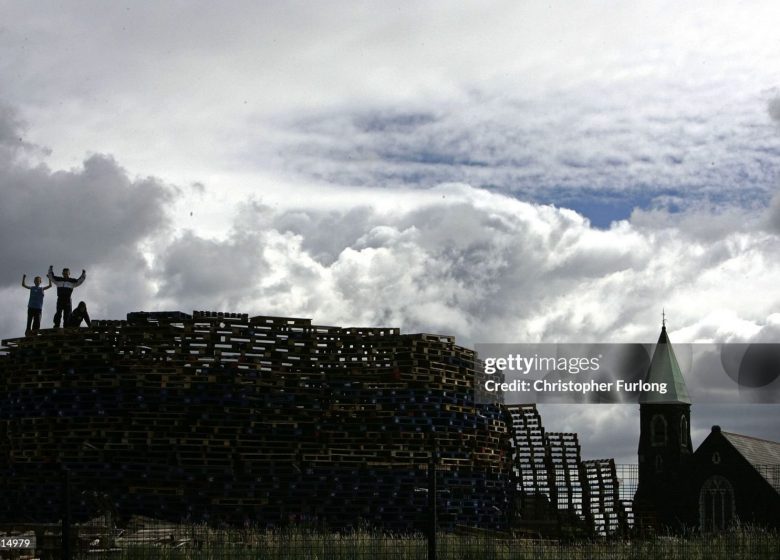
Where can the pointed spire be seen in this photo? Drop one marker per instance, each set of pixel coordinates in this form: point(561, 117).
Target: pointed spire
point(665, 369)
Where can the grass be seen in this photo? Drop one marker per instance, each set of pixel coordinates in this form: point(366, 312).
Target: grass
point(202, 543)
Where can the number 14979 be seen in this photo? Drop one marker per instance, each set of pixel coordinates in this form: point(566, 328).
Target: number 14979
point(16, 542)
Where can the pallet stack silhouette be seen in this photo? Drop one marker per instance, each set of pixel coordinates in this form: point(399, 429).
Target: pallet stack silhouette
point(220, 417)
point(555, 491)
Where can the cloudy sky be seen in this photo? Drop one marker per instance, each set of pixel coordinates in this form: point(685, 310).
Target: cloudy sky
point(501, 171)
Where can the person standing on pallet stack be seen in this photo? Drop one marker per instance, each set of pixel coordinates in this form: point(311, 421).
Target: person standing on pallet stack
point(35, 305)
point(65, 285)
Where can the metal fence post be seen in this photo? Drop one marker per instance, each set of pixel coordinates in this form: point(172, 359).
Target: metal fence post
point(65, 539)
point(433, 521)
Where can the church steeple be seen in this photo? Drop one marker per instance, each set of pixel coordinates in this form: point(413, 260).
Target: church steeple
point(664, 369)
point(664, 440)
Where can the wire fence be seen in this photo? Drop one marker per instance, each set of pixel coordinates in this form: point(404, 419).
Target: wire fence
point(150, 539)
point(109, 535)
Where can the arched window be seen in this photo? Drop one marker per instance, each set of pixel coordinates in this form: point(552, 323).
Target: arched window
point(683, 432)
point(659, 463)
point(716, 504)
point(658, 430)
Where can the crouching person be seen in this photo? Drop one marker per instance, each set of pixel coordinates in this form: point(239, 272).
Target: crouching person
point(78, 315)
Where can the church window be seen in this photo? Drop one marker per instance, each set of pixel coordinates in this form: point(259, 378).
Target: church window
point(716, 504)
point(683, 432)
point(659, 463)
point(658, 431)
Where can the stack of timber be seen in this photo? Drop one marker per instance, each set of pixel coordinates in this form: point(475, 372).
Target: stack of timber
point(531, 467)
point(565, 462)
point(269, 420)
point(556, 493)
point(607, 513)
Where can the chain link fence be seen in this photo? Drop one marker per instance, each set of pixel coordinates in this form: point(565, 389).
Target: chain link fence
point(108, 535)
point(141, 538)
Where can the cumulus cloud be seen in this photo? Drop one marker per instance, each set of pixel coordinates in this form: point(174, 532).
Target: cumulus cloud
point(484, 267)
point(94, 217)
point(460, 260)
point(668, 122)
point(80, 217)
point(207, 274)
point(77, 218)
point(324, 235)
point(465, 261)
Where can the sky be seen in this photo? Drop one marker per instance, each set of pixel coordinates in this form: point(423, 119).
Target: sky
point(497, 171)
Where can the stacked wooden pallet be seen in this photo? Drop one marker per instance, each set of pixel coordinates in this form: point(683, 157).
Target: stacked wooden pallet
point(606, 512)
point(555, 491)
point(534, 480)
point(268, 419)
point(565, 461)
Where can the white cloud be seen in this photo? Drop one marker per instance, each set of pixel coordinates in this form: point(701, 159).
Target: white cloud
point(479, 265)
point(524, 96)
point(585, 142)
point(341, 120)
point(461, 261)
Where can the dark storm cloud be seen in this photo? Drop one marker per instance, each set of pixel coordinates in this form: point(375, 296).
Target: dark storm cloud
point(757, 420)
point(210, 274)
point(77, 218)
point(604, 431)
point(612, 431)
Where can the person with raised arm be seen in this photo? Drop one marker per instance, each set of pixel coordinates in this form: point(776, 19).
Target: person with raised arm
point(35, 304)
point(65, 285)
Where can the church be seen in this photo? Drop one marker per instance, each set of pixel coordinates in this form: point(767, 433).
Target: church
point(731, 478)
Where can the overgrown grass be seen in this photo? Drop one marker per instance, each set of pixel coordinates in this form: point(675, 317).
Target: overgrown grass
point(201, 543)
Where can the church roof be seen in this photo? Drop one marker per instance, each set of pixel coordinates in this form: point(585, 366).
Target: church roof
point(763, 454)
point(665, 369)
